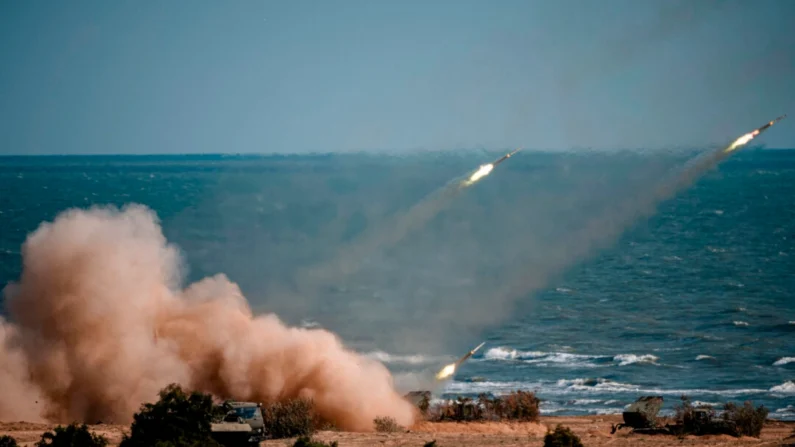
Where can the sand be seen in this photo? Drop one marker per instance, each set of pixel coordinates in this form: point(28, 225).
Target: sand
point(594, 431)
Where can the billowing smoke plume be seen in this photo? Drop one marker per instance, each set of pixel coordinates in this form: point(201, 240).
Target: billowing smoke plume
point(100, 325)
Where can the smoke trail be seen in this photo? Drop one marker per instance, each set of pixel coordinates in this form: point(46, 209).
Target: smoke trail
point(101, 324)
point(350, 258)
point(597, 233)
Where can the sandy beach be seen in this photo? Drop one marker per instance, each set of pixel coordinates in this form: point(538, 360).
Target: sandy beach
point(592, 430)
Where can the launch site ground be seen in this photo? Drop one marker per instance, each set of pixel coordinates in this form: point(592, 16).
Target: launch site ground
point(594, 431)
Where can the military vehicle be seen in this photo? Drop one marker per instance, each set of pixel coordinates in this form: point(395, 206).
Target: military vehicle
point(242, 425)
point(641, 416)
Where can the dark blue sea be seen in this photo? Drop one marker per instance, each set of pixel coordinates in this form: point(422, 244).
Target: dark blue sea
point(553, 260)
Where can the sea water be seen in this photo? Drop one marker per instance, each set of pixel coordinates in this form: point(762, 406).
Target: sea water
point(697, 300)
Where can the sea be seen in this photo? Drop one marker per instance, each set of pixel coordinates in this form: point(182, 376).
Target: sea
point(587, 286)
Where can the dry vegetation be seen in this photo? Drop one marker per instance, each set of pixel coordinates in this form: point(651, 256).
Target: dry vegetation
point(182, 419)
point(516, 406)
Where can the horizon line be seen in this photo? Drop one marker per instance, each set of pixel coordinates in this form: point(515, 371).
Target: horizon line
point(361, 152)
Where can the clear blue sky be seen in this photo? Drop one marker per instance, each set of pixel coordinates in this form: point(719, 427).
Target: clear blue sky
point(181, 76)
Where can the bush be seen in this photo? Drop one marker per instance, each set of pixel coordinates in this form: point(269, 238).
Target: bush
point(430, 444)
point(518, 405)
point(289, 419)
point(749, 421)
point(459, 410)
point(306, 441)
point(71, 436)
point(562, 437)
point(177, 419)
point(387, 425)
point(7, 441)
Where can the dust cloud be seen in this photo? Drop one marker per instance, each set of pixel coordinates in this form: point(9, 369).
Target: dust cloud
point(100, 324)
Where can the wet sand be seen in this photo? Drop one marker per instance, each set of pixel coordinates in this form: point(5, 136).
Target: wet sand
point(594, 431)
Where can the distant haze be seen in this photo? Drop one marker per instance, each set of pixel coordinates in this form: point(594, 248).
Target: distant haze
point(295, 77)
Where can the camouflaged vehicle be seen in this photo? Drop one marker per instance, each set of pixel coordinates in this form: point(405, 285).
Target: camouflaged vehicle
point(242, 425)
point(641, 416)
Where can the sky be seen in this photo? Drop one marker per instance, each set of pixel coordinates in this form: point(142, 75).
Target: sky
point(211, 76)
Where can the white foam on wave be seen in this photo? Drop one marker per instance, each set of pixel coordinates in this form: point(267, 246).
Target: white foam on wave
point(629, 359)
point(584, 401)
point(700, 403)
point(598, 386)
point(567, 359)
point(740, 323)
point(592, 385)
point(705, 357)
point(784, 361)
point(497, 388)
point(787, 387)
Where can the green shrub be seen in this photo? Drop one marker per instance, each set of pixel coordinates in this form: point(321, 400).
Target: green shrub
point(562, 437)
point(178, 419)
point(387, 425)
point(72, 435)
point(7, 441)
point(289, 419)
point(306, 441)
point(748, 420)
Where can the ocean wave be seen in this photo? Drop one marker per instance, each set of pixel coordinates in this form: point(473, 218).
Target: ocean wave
point(629, 359)
point(566, 359)
point(602, 385)
point(787, 387)
point(584, 401)
point(700, 403)
point(740, 323)
point(783, 361)
point(496, 388)
point(705, 357)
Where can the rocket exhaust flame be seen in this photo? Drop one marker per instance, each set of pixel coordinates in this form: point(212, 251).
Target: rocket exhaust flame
point(485, 170)
point(743, 140)
point(450, 369)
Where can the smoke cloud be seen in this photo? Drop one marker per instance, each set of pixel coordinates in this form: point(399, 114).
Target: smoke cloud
point(100, 325)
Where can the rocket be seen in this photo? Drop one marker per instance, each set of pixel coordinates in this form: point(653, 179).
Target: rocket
point(751, 135)
point(764, 128)
point(472, 352)
point(500, 160)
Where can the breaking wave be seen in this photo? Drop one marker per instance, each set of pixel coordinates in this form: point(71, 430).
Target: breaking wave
point(783, 361)
point(599, 386)
point(787, 387)
point(566, 359)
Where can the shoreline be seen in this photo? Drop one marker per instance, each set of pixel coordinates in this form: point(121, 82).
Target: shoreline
point(593, 431)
